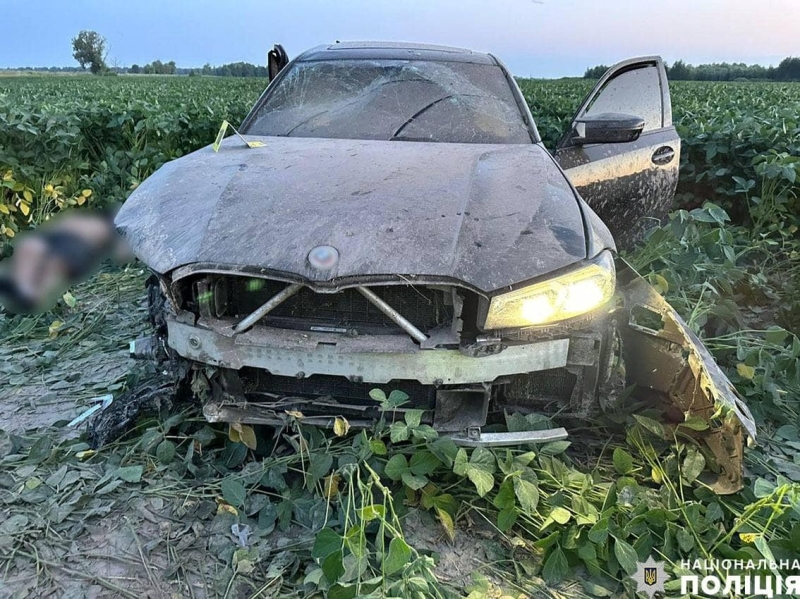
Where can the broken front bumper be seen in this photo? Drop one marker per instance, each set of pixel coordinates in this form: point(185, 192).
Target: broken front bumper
point(369, 359)
point(665, 361)
point(268, 372)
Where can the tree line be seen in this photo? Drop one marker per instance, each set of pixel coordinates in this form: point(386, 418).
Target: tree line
point(89, 49)
point(787, 70)
point(154, 68)
point(233, 69)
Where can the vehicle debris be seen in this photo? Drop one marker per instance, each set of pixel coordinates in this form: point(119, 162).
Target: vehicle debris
point(155, 394)
point(668, 362)
point(101, 403)
point(242, 533)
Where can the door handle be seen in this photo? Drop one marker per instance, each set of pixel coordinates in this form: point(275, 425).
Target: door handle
point(663, 155)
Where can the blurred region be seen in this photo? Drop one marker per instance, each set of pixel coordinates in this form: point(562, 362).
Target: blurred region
point(63, 251)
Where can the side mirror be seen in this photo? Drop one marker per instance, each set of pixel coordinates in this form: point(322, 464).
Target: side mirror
point(276, 60)
point(607, 127)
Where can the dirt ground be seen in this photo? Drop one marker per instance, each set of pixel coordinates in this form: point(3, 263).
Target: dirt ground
point(47, 380)
point(48, 375)
point(83, 531)
point(93, 542)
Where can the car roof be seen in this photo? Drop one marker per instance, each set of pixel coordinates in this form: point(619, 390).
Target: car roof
point(394, 51)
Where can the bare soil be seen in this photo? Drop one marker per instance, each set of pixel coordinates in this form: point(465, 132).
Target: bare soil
point(47, 379)
point(141, 541)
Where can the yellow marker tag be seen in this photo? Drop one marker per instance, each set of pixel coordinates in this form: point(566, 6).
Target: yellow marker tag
point(250, 144)
point(221, 135)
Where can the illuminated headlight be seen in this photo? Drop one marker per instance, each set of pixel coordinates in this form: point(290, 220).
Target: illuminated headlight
point(566, 296)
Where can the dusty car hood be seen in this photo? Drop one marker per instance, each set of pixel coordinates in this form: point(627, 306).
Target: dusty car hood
point(488, 215)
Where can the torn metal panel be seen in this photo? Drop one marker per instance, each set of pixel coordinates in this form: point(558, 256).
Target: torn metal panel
point(429, 367)
point(152, 395)
point(669, 364)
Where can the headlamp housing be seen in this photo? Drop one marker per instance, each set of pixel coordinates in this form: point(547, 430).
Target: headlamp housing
point(565, 296)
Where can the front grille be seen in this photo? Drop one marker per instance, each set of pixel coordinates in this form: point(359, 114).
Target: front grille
point(338, 388)
point(347, 310)
point(557, 383)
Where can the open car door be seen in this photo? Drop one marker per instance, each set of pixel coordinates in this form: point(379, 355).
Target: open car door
point(276, 60)
point(622, 152)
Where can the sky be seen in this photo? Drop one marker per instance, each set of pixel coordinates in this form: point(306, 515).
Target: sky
point(539, 38)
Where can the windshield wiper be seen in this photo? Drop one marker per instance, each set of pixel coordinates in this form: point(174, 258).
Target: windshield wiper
point(431, 139)
point(426, 108)
point(418, 113)
point(301, 123)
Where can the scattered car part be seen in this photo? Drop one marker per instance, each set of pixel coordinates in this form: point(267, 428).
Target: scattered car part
point(668, 363)
point(475, 438)
point(100, 403)
point(153, 395)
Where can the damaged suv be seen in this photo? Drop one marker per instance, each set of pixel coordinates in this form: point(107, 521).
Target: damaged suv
point(401, 226)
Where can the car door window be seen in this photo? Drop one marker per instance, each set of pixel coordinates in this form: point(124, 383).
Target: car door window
point(636, 92)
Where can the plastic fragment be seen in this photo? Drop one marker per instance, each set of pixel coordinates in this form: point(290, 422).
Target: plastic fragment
point(101, 403)
point(241, 532)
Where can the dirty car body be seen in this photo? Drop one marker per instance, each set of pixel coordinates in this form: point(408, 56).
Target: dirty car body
point(403, 228)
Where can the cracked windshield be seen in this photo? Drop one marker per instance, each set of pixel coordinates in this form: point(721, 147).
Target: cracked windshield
point(394, 100)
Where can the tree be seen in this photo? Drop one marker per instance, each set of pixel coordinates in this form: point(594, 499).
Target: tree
point(236, 69)
point(595, 72)
point(89, 48)
point(788, 69)
point(154, 68)
point(159, 68)
point(135, 69)
point(679, 71)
